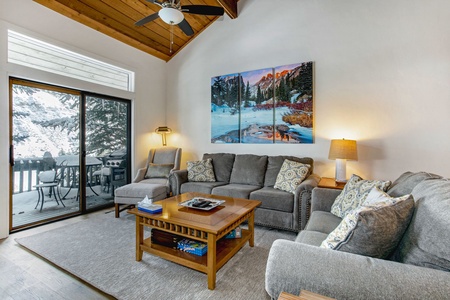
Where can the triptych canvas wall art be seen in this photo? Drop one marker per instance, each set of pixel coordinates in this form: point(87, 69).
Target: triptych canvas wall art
point(266, 106)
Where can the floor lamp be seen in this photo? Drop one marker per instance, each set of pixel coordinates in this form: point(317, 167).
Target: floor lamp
point(341, 151)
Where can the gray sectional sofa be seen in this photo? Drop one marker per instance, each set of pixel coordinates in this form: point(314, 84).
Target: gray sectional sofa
point(419, 268)
point(253, 177)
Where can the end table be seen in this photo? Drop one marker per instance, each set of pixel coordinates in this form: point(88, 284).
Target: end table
point(330, 183)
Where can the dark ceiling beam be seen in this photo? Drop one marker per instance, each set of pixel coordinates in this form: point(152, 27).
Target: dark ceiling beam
point(230, 7)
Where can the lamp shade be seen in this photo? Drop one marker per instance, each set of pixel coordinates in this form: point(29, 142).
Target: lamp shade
point(171, 16)
point(163, 129)
point(343, 149)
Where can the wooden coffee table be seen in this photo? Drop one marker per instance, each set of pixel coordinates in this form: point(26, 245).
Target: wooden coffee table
point(205, 226)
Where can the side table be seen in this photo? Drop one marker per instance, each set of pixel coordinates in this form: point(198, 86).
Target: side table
point(330, 183)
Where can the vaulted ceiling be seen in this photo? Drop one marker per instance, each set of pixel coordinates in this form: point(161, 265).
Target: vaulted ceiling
point(116, 18)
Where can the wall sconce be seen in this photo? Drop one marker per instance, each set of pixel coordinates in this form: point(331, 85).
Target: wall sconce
point(341, 151)
point(163, 130)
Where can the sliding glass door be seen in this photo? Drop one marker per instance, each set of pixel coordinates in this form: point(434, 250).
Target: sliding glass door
point(69, 150)
point(106, 144)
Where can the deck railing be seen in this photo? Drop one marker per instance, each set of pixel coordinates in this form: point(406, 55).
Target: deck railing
point(26, 173)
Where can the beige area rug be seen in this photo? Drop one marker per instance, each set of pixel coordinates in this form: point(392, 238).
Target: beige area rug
point(101, 251)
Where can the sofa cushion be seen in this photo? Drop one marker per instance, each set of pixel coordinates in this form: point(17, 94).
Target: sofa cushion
point(374, 228)
point(313, 238)
point(235, 190)
point(222, 163)
point(407, 181)
point(200, 187)
point(322, 221)
point(274, 199)
point(426, 241)
point(158, 170)
point(274, 164)
point(249, 169)
point(201, 170)
point(354, 193)
point(291, 174)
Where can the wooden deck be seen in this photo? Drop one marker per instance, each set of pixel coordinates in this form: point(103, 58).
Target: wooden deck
point(24, 204)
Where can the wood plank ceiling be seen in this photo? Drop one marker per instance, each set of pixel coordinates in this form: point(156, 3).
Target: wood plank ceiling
point(116, 18)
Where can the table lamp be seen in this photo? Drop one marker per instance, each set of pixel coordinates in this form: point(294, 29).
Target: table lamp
point(341, 151)
point(163, 130)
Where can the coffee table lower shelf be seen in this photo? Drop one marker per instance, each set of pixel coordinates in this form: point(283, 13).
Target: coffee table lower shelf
point(225, 249)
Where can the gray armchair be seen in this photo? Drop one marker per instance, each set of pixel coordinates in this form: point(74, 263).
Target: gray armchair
point(151, 181)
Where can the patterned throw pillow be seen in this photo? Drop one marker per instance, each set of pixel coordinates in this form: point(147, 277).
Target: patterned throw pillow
point(158, 170)
point(375, 228)
point(291, 174)
point(201, 170)
point(354, 193)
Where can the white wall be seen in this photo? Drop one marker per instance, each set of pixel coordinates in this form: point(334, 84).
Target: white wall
point(382, 77)
point(148, 104)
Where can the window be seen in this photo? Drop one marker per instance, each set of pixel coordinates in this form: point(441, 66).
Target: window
point(33, 53)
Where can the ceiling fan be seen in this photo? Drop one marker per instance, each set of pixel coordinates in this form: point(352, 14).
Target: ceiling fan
point(171, 12)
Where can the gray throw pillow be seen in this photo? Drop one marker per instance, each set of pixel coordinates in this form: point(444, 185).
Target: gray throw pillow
point(158, 170)
point(375, 228)
point(201, 171)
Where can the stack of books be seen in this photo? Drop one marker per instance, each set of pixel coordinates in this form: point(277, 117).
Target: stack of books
point(193, 247)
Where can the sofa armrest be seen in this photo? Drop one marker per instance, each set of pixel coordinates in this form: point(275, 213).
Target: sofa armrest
point(293, 266)
point(303, 198)
point(323, 198)
point(176, 179)
point(140, 175)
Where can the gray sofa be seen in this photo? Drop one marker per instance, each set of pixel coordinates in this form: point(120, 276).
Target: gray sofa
point(253, 177)
point(419, 268)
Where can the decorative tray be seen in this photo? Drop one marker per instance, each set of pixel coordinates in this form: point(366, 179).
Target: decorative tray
point(201, 203)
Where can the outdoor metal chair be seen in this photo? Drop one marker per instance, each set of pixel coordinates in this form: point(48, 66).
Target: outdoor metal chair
point(48, 179)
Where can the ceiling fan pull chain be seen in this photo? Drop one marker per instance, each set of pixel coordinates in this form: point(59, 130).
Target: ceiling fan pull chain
point(171, 37)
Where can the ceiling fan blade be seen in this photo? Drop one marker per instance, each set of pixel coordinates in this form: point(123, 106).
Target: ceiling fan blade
point(203, 10)
point(147, 19)
point(155, 1)
point(187, 29)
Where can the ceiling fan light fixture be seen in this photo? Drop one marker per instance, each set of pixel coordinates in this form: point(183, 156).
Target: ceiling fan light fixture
point(171, 16)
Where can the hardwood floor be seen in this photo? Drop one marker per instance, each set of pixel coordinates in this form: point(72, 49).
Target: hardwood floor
point(24, 275)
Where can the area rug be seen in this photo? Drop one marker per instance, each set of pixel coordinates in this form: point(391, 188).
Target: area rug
point(101, 251)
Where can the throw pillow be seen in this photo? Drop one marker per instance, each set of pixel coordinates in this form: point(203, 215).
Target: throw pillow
point(158, 170)
point(291, 174)
point(354, 193)
point(375, 228)
point(201, 170)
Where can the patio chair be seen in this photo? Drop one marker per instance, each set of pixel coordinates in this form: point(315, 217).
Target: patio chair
point(151, 181)
point(48, 180)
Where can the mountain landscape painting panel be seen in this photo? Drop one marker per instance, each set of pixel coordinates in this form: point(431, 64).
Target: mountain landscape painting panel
point(257, 109)
point(294, 103)
point(225, 109)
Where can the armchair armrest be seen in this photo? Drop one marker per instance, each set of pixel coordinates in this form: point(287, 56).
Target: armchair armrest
point(176, 179)
point(293, 266)
point(140, 175)
point(303, 197)
point(323, 198)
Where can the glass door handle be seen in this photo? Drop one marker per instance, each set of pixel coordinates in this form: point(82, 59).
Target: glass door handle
point(11, 155)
